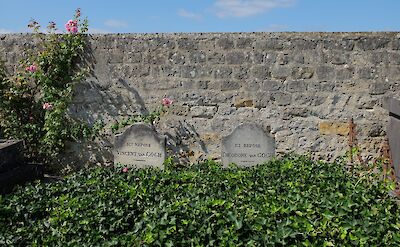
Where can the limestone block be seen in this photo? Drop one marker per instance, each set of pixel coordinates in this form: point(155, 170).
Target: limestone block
point(335, 128)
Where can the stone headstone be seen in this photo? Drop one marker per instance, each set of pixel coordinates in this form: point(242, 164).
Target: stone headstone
point(247, 145)
point(394, 134)
point(10, 154)
point(139, 146)
point(13, 169)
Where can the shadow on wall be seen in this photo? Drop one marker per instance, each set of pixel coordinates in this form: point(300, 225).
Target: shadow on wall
point(183, 141)
point(98, 100)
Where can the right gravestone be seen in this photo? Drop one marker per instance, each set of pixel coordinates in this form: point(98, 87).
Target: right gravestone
point(394, 133)
point(247, 145)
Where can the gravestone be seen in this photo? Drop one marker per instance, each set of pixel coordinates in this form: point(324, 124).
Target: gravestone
point(247, 145)
point(394, 134)
point(13, 169)
point(10, 154)
point(139, 146)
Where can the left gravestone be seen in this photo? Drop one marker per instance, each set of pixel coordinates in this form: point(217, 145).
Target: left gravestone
point(13, 169)
point(10, 154)
point(139, 146)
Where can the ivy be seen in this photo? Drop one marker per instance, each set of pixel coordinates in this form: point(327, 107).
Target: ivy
point(293, 201)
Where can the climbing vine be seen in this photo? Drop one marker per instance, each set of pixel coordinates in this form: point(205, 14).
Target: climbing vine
point(34, 100)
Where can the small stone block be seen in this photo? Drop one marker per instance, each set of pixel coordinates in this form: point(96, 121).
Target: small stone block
point(244, 103)
point(334, 128)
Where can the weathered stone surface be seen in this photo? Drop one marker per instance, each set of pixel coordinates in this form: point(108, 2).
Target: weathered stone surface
point(296, 80)
point(270, 44)
point(295, 86)
point(243, 103)
point(393, 105)
point(230, 85)
point(187, 44)
point(396, 44)
point(296, 112)
point(198, 57)
point(241, 73)
point(203, 111)
point(281, 72)
point(302, 73)
point(376, 88)
point(283, 59)
point(139, 146)
point(367, 73)
point(244, 43)
point(223, 72)
point(271, 85)
point(394, 134)
point(247, 145)
point(325, 72)
point(372, 43)
point(304, 44)
point(345, 73)
point(177, 58)
point(338, 57)
point(341, 44)
point(225, 43)
point(260, 72)
point(236, 58)
point(336, 128)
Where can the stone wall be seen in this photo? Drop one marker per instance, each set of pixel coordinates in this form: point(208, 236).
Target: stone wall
point(302, 87)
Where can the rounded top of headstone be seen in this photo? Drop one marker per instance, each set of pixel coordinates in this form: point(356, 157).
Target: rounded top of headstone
point(140, 129)
point(246, 128)
point(247, 145)
point(139, 146)
point(5, 142)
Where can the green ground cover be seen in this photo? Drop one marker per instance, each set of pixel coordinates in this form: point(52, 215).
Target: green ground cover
point(290, 201)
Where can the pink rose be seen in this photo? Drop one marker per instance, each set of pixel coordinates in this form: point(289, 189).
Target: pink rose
point(125, 169)
point(72, 23)
point(71, 26)
point(167, 102)
point(32, 68)
point(47, 106)
point(73, 30)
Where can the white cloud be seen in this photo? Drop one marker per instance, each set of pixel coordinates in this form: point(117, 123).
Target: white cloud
point(3, 31)
point(275, 28)
point(187, 14)
point(244, 8)
point(97, 30)
point(115, 23)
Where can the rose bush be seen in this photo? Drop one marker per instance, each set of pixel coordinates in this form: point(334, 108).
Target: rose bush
point(34, 100)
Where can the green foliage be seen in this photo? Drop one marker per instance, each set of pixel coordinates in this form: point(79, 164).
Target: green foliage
point(289, 202)
point(34, 101)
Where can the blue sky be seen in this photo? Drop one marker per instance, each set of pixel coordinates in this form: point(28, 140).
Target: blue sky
point(151, 16)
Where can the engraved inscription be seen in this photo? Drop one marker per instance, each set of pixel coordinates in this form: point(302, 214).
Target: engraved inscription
point(247, 145)
point(139, 146)
point(139, 154)
point(131, 144)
